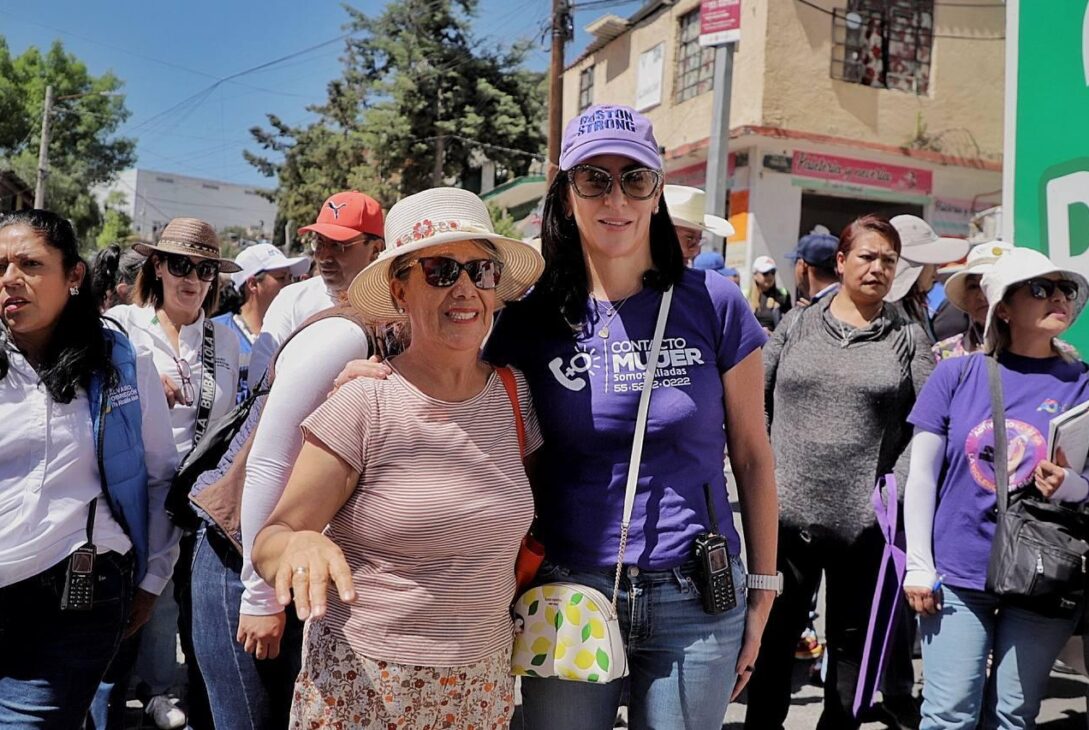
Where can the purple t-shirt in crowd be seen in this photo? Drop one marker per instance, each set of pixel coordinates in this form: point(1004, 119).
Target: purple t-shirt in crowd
point(1034, 391)
point(586, 390)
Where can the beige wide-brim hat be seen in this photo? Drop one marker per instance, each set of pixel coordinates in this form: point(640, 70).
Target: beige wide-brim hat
point(919, 244)
point(433, 218)
point(686, 208)
point(1022, 264)
point(189, 237)
point(981, 259)
point(907, 274)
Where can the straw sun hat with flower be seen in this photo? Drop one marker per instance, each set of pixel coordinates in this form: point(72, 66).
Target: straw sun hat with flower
point(432, 218)
point(189, 237)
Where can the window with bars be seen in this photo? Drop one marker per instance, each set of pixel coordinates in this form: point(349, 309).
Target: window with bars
point(695, 73)
point(586, 88)
point(884, 43)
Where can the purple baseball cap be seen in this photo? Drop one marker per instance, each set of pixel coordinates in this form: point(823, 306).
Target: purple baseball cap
point(609, 129)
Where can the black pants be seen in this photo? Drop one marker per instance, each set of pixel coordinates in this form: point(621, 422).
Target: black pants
point(851, 572)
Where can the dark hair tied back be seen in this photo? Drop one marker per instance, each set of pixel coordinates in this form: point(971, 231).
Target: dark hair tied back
point(77, 349)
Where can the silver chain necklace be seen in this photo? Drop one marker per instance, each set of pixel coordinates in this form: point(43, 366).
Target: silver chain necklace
point(611, 313)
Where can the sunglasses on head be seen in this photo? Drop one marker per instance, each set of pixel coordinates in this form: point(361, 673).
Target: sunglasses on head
point(180, 266)
point(1045, 288)
point(590, 181)
point(443, 271)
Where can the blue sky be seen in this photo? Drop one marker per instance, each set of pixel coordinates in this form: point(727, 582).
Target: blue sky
point(169, 50)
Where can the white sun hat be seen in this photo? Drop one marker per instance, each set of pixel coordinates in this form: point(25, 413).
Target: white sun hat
point(686, 208)
point(981, 259)
point(907, 274)
point(431, 218)
point(919, 244)
point(1022, 264)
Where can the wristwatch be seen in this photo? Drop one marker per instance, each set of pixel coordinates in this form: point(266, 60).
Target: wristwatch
point(766, 582)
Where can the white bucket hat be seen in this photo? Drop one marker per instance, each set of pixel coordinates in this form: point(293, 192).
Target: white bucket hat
point(919, 244)
point(1022, 264)
point(686, 206)
point(981, 259)
point(431, 218)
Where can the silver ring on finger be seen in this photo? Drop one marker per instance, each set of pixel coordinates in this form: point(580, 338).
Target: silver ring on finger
point(300, 570)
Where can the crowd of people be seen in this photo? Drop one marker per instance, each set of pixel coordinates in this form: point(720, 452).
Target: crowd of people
point(438, 396)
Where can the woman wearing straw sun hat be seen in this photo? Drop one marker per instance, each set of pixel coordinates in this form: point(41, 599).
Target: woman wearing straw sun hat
point(952, 482)
point(686, 208)
point(964, 290)
point(419, 478)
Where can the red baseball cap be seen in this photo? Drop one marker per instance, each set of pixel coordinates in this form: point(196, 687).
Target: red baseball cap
point(345, 216)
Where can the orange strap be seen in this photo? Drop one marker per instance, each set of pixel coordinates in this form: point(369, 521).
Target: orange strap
point(511, 386)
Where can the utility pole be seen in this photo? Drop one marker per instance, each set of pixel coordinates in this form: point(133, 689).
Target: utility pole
point(717, 182)
point(43, 149)
point(561, 19)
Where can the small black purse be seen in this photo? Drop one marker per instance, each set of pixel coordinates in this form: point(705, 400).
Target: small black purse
point(1038, 557)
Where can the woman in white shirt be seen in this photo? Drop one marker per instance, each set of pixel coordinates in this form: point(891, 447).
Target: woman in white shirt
point(85, 462)
point(197, 359)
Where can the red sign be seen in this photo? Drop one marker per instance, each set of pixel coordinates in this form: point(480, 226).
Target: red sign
point(720, 22)
point(863, 172)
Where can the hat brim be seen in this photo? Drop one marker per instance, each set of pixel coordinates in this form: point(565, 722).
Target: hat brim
point(369, 291)
point(989, 334)
point(955, 290)
point(945, 250)
point(226, 266)
point(711, 224)
point(593, 148)
point(335, 232)
point(905, 277)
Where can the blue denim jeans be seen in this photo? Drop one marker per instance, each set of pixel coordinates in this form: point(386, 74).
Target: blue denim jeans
point(244, 693)
point(51, 660)
point(682, 661)
point(957, 642)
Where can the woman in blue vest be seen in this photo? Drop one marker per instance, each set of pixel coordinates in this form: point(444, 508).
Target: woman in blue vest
point(86, 456)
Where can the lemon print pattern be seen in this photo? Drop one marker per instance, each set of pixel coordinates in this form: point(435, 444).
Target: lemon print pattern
point(564, 635)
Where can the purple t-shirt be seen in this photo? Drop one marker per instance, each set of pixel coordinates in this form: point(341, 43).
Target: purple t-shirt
point(586, 391)
point(1034, 390)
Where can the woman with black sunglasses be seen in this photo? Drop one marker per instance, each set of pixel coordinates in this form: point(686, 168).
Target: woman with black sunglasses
point(197, 360)
point(987, 660)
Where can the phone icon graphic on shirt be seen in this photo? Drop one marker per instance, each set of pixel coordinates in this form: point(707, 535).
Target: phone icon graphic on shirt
point(564, 378)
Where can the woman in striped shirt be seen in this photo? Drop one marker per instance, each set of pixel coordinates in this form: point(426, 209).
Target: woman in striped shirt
point(420, 480)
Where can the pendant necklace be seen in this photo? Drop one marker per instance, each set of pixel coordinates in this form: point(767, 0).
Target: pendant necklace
point(611, 313)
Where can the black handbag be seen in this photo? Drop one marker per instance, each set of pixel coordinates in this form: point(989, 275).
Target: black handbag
point(1038, 557)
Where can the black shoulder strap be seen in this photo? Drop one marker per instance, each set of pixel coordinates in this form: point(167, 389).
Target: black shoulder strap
point(207, 380)
point(998, 418)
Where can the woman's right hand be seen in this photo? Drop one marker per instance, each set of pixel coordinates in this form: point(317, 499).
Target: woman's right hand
point(370, 368)
point(260, 635)
point(173, 392)
point(306, 565)
point(923, 599)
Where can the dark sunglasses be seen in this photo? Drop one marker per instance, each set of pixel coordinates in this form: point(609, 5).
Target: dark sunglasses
point(1045, 288)
point(443, 272)
point(594, 182)
point(180, 266)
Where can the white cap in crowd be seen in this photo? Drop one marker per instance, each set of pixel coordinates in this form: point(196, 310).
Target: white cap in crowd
point(763, 264)
point(261, 257)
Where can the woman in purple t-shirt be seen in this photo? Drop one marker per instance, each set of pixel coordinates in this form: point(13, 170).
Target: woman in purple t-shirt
point(581, 339)
point(950, 500)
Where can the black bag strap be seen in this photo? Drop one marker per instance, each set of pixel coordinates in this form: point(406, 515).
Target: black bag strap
point(998, 418)
point(207, 381)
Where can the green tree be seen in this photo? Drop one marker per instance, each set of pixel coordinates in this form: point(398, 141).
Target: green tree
point(415, 82)
point(85, 149)
point(116, 223)
point(503, 221)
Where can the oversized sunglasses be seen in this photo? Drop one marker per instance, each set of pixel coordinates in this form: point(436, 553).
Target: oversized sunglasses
point(180, 266)
point(1045, 288)
point(443, 272)
point(590, 181)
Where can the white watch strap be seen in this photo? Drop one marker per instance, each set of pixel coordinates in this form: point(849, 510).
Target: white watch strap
point(765, 582)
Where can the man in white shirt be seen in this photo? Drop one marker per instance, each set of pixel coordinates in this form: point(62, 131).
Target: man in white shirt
point(345, 238)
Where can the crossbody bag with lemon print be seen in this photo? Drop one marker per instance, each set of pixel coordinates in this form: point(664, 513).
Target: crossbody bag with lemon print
point(569, 630)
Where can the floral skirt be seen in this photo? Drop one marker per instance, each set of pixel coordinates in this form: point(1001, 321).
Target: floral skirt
point(341, 689)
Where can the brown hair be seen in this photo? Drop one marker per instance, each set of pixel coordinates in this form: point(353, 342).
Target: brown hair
point(149, 290)
point(868, 224)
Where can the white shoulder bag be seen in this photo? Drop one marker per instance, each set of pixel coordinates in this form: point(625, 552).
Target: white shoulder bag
point(568, 630)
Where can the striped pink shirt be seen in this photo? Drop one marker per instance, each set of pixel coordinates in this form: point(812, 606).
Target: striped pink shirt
point(434, 524)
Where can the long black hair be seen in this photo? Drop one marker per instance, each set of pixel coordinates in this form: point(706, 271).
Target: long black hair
point(564, 278)
point(111, 266)
point(77, 349)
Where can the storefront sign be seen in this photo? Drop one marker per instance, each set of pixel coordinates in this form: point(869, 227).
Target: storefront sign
point(695, 176)
point(720, 22)
point(648, 78)
point(950, 217)
point(862, 172)
point(779, 163)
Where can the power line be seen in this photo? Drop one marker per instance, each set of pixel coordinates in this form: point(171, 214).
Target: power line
point(826, 11)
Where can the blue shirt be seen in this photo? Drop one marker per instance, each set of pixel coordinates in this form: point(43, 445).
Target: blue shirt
point(245, 346)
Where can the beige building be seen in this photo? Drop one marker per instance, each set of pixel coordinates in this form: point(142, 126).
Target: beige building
point(839, 108)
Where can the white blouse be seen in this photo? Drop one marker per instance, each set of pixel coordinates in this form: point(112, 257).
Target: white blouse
point(147, 336)
point(49, 475)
